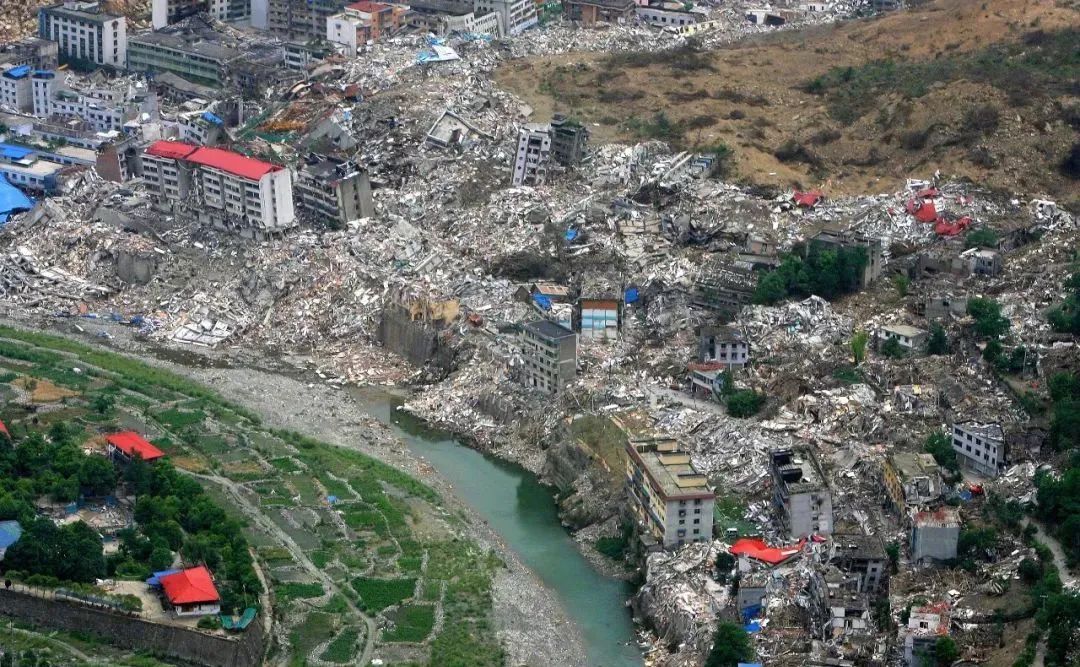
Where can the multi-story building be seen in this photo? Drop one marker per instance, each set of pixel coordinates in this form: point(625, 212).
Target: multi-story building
point(863, 556)
point(16, 90)
point(912, 480)
point(568, 140)
point(660, 14)
point(669, 497)
point(302, 19)
point(167, 12)
point(363, 22)
point(723, 286)
point(723, 344)
point(332, 192)
point(596, 318)
point(835, 237)
point(925, 626)
point(103, 108)
point(980, 447)
point(231, 191)
point(27, 170)
point(801, 495)
point(934, 535)
point(202, 56)
point(533, 150)
point(33, 51)
point(839, 609)
point(515, 16)
point(591, 12)
point(85, 33)
point(549, 356)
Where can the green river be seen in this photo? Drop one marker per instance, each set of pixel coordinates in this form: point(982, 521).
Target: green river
point(524, 514)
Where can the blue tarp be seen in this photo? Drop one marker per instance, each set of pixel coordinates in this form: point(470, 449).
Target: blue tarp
point(10, 532)
point(331, 499)
point(211, 118)
point(631, 295)
point(571, 234)
point(155, 580)
point(749, 664)
point(753, 626)
point(12, 200)
point(20, 72)
point(542, 301)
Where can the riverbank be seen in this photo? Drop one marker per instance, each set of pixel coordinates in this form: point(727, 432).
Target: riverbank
point(532, 624)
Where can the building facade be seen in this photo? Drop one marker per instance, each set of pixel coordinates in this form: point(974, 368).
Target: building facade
point(230, 191)
point(726, 345)
point(912, 480)
point(533, 151)
point(363, 22)
point(515, 16)
point(980, 447)
point(85, 33)
point(801, 496)
point(184, 53)
point(909, 338)
point(549, 356)
point(667, 494)
point(934, 535)
point(598, 319)
point(333, 192)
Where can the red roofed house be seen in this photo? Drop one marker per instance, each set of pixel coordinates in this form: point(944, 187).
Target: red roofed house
point(229, 190)
point(127, 445)
point(191, 592)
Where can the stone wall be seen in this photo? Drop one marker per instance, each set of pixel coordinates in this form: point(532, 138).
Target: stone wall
point(243, 650)
point(417, 342)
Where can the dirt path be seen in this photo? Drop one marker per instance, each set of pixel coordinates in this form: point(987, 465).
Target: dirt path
point(1051, 542)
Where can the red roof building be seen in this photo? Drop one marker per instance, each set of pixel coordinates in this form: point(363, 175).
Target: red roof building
point(191, 592)
point(232, 163)
point(129, 444)
point(174, 150)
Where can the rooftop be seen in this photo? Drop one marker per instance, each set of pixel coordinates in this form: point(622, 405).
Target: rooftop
point(799, 469)
point(988, 430)
point(233, 163)
point(903, 330)
point(191, 586)
point(131, 443)
point(671, 471)
point(943, 517)
point(858, 546)
point(548, 329)
point(187, 44)
point(175, 150)
point(82, 11)
point(911, 464)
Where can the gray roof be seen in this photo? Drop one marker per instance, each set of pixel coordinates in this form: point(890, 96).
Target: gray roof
point(548, 329)
point(90, 14)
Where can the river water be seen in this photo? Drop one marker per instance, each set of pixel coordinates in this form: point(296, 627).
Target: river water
point(524, 514)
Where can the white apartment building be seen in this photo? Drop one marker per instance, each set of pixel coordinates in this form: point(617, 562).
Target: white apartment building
point(979, 447)
point(84, 32)
point(533, 150)
point(16, 93)
point(231, 191)
point(515, 16)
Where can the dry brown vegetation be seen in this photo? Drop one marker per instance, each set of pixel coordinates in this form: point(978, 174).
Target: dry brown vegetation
point(996, 124)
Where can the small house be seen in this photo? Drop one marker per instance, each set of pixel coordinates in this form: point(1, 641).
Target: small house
point(191, 592)
point(127, 445)
point(725, 345)
point(909, 338)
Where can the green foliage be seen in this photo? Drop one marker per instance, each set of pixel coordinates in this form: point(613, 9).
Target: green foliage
point(976, 542)
point(1065, 412)
point(859, 339)
point(1065, 318)
point(294, 591)
point(989, 324)
point(179, 419)
point(1039, 67)
point(209, 622)
point(378, 594)
point(745, 403)
point(731, 645)
point(847, 375)
point(901, 283)
point(413, 623)
point(939, 445)
point(658, 127)
point(70, 553)
point(892, 349)
point(825, 272)
point(892, 550)
point(981, 238)
point(1031, 570)
point(946, 651)
point(938, 342)
point(993, 351)
point(615, 547)
point(343, 648)
point(103, 403)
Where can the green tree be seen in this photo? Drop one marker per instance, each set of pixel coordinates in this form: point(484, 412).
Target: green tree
point(976, 541)
point(939, 445)
point(858, 346)
point(981, 238)
point(938, 343)
point(97, 475)
point(160, 559)
point(901, 283)
point(103, 403)
point(989, 323)
point(1065, 318)
point(745, 403)
point(731, 645)
point(892, 349)
point(946, 652)
point(992, 352)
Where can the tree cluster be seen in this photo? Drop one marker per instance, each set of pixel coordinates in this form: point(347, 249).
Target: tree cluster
point(1065, 318)
point(825, 272)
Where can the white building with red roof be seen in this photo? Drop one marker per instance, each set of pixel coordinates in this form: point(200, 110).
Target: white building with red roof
point(127, 445)
point(191, 592)
point(232, 191)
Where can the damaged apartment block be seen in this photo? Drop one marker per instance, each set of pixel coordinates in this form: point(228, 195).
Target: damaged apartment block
point(548, 356)
point(668, 496)
point(563, 139)
point(332, 191)
point(411, 324)
point(980, 447)
point(801, 496)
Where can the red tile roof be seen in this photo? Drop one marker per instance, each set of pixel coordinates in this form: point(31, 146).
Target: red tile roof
point(191, 586)
point(131, 443)
point(369, 7)
point(177, 150)
point(233, 163)
point(756, 548)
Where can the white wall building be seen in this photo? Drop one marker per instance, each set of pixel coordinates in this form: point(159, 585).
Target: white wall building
point(979, 447)
point(533, 151)
point(84, 32)
point(233, 192)
point(16, 91)
point(515, 16)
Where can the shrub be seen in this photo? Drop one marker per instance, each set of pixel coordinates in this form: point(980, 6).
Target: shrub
point(745, 403)
point(1070, 165)
point(793, 151)
point(981, 238)
point(914, 140)
point(981, 120)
